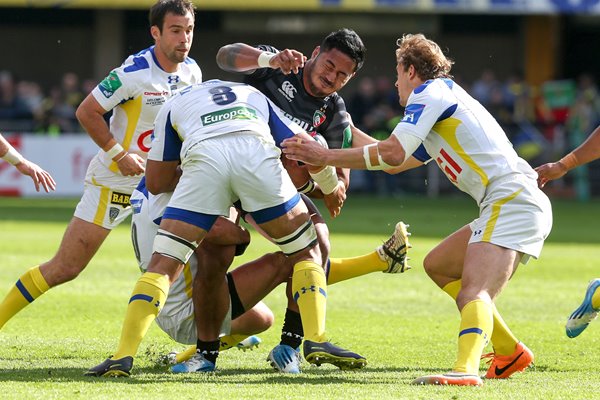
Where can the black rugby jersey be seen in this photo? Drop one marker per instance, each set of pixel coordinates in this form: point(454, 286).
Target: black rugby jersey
point(325, 116)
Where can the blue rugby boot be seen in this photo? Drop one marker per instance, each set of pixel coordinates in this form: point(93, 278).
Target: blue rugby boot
point(249, 343)
point(286, 359)
point(584, 314)
point(195, 364)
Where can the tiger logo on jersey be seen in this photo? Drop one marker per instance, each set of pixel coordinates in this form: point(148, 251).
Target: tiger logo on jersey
point(318, 118)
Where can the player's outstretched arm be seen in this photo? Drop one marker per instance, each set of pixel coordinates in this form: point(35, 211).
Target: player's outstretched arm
point(586, 152)
point(26, 167)
point(385, 154)
point(240, 57)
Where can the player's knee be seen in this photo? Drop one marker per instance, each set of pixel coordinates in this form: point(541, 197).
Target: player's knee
point(284, 265)
point(264, 317)
point(431, 265)
point(173, 246)
point(302, 240)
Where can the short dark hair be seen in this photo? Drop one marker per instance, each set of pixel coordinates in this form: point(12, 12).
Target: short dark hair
point(348, 42)
point(157, 13)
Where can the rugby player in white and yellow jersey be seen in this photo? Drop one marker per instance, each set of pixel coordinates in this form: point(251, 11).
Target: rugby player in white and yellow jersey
point(475, 263)
point(134, 92)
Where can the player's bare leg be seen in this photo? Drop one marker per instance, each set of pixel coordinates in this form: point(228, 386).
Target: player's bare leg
point(444, 266)
point(309, 286)
point(487, 268)
point(251, 282)
point(211, 303)
point(79, 244)
point(172, 247)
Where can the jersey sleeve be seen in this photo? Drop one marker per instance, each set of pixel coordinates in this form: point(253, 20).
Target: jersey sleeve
point(118, 87)
point(337, 131)
point(427, 104)
point(166, 143)
point(421, 154)
point(261, 74)
point(281, 127)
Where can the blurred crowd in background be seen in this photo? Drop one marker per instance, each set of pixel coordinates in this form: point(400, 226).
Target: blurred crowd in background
point(26, 107)
point(542, 122)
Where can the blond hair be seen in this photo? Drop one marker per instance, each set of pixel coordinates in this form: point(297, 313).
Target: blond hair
point(424, 55)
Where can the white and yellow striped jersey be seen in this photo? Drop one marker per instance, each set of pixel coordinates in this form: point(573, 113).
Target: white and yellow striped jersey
point(135, 92)
point(463, 138)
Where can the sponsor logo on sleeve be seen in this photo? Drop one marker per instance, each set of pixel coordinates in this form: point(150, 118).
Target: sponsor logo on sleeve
point(412, 113)
point(229, 114)
point(121, 199)
point(110, 84)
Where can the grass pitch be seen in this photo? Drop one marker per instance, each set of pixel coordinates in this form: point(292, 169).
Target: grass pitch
point(403, 324)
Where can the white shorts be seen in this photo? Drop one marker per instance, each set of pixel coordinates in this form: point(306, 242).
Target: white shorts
point(105, 200)
point(514, 214)
point(180, 324)
point(237, 166)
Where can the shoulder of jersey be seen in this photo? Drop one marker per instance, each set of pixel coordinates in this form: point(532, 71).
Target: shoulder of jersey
point(138, 62)
point(435, 84)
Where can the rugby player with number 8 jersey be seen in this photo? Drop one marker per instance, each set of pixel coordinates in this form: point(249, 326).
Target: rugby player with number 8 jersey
point(226, 136)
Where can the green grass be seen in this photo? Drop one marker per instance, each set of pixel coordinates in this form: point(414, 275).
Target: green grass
point(403, 324)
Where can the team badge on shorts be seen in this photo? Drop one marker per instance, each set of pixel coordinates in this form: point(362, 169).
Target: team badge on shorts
point(113, 213)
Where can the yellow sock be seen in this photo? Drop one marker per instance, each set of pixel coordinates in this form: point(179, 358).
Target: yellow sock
point(476, 323)
point(147, 299)
point(453, 288)
point(29, 287)
point(503, 340)
point(596, 300)
point(229, 341)
point(341, 269)
point(310, 292)
point(185, 355)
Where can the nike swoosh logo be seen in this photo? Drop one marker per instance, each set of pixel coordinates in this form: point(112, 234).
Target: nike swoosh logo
point(500, 371)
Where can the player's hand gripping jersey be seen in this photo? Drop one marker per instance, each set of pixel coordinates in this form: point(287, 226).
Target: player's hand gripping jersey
point(462, 137)
point(135, 92)
point(218, 108)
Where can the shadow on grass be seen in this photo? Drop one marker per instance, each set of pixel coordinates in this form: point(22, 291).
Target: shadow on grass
point(310, 376)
